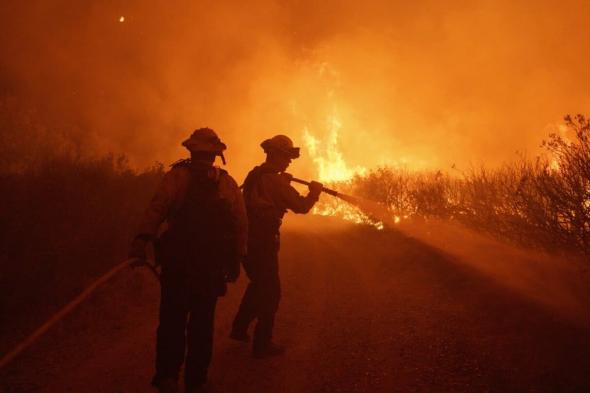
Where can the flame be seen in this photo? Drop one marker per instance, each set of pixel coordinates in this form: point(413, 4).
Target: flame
point(333, 169)
point(122, 19)
point(326, 155)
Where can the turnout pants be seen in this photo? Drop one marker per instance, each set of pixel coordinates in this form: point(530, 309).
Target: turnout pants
point(263, 294)
point(186, 326)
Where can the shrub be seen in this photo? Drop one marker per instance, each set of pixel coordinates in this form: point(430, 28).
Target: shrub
point(64, 222)
point(543, 202)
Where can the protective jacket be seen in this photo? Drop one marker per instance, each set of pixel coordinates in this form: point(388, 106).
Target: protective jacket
point(171, 193)
point(205, 231)
point(268, 194)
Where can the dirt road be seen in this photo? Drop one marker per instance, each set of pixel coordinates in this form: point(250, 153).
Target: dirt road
point(362, 311)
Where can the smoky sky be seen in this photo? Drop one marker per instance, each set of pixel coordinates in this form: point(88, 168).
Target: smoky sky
point(426, 84)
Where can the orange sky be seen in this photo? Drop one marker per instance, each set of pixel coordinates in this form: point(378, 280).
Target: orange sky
point(427, 84)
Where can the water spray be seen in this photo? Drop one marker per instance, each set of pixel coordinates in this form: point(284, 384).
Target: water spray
point(367, 206)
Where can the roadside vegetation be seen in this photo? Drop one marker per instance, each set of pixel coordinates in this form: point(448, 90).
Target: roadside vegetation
point(542, 202)
point(65, 221)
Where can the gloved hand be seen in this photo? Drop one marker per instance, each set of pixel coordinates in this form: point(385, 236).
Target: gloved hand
point(315, 188)
point(138, 250)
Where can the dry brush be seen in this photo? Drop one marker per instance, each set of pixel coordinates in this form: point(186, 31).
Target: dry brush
point(542, 202)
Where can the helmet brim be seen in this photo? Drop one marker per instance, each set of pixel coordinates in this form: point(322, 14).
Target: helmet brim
point(292, 153)
point(216, 147)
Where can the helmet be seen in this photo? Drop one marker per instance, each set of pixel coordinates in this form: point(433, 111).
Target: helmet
point(204, 139)
point(282, 144)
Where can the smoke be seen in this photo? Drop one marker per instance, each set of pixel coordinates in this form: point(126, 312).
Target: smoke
point(558, 282)
point(425, 84)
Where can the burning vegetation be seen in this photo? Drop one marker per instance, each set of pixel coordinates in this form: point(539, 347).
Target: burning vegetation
point(542, 202)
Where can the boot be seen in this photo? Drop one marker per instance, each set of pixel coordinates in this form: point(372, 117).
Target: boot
point(168, 385)
point(269, 349)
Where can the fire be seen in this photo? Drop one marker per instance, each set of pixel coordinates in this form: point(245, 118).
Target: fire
point(322, 132)
point(346, 212)
point(333, 170)
point(329, 160)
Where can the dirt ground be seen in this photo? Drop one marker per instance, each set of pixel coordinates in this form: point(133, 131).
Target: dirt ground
point(362, 311)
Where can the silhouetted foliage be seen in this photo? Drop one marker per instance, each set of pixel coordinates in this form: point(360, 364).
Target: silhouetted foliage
point(543, 202)
point(64, 221)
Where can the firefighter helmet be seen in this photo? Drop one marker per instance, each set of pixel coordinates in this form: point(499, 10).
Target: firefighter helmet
point(204, 139)
point(282, 144)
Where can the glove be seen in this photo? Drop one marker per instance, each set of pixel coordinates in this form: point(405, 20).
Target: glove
point(315, 188)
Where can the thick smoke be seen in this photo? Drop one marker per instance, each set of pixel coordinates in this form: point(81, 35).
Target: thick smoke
point(427, 83)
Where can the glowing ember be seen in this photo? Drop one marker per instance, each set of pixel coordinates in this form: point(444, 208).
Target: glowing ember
point(122, 19)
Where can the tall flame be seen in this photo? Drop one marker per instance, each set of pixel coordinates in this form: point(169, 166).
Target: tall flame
point(327, 156)
point(333, 169)
point(331, 166)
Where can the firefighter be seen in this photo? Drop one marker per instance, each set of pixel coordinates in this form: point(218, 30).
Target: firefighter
point(201, 249)
point(268, 195)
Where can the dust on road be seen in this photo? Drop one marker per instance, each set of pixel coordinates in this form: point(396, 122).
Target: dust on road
point(362, 311)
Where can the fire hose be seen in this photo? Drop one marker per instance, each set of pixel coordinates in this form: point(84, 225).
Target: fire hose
point(68, 308)
point(370, 208)
point(348, 198)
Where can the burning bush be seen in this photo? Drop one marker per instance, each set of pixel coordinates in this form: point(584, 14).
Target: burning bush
point(543, 202)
